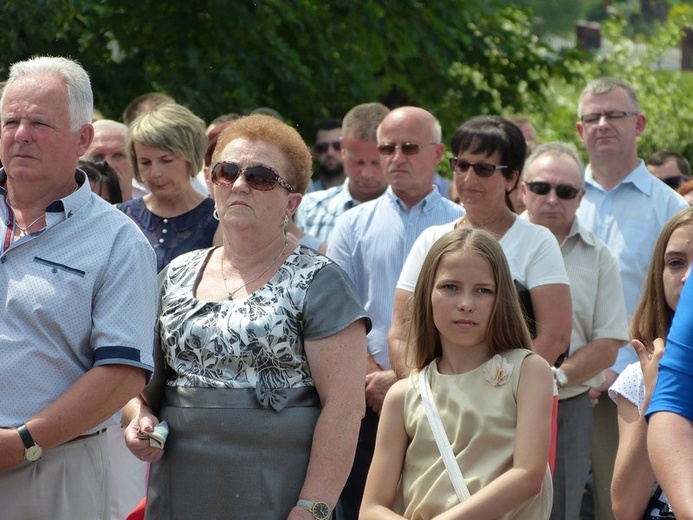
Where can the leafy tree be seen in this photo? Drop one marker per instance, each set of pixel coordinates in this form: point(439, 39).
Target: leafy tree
point(306, 58)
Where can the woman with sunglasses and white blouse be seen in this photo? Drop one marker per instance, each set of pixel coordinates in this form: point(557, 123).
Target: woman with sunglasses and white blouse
point(489, 154)
point(261, 352)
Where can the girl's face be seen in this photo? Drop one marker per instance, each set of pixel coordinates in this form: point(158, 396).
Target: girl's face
point(678, 256)
point(464, 293)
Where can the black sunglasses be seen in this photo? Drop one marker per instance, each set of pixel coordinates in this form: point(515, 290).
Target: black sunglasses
point(407, 148)
point(258, 177)
point(563, 191)
point(482, 169)
point(324, 146)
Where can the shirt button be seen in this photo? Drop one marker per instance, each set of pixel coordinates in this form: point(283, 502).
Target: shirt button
point(164, 231)
point(165, 221)
point(4, 259)
point(161, 241)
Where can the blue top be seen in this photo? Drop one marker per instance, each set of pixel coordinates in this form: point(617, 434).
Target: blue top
point(675, 381)
point(372, 241)
point(319, 210)
point(629, 218)
point(171, 237)
point(79, 294)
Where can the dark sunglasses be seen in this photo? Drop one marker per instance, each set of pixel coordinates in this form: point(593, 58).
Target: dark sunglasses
point(563, 191)
point(258, 177)
point(482, 169)
point(407, 148)
point(324, 146)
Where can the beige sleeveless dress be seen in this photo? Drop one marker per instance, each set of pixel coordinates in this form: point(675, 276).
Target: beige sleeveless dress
point(481, 421)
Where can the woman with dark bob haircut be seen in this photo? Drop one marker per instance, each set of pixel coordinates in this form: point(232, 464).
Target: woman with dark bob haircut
point(489, 157)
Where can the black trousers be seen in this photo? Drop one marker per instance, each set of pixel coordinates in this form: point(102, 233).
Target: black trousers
point(352, 494)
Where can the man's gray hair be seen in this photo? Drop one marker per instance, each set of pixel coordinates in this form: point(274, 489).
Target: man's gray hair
point(75, 78)
point(605, 85)
point(555, 149)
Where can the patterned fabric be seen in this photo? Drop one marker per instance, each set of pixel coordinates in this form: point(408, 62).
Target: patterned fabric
point(254, 342)
point(171, 237)
point(319, 210)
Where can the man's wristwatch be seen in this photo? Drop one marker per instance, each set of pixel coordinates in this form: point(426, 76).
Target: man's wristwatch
point(320, 510)
point(561, 377)
point(32, 451)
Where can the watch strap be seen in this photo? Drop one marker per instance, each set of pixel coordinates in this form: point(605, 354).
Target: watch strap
point(309, 505)
point(26, 437)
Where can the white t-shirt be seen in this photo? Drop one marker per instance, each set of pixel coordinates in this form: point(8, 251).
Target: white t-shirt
point(532, 251)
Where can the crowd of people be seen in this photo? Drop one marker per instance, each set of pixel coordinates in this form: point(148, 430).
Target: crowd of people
point(199, 326)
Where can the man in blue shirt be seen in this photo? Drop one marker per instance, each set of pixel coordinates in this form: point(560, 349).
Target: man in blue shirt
point(78, 286)
point(371, 242)
point(626, 207)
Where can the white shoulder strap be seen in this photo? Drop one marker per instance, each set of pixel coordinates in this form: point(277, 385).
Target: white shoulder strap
point(451, 465)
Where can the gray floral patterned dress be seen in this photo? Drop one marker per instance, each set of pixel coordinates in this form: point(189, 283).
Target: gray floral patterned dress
point(237, 387)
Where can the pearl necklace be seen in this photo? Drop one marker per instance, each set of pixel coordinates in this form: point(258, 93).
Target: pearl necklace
point(231, 293)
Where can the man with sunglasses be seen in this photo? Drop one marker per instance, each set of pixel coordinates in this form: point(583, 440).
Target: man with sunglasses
point(371, 242)
point(626, 207)
point(326, 154)
point(553, 187)
point(365, 179)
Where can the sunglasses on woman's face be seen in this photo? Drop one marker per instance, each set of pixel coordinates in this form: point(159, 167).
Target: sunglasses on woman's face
point(258, 177)
point(482, 169)
point(563, 191)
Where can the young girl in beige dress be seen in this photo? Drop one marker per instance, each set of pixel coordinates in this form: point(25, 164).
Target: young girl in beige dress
point(492, 393)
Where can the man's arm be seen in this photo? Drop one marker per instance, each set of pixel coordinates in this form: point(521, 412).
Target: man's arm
point(92, 399)
point(592, 359)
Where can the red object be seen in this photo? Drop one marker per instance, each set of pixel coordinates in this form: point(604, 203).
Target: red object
point(554, 429)
point(138, 512)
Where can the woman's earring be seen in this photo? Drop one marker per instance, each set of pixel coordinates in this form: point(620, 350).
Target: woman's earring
point(286, 220)
point(215, 214)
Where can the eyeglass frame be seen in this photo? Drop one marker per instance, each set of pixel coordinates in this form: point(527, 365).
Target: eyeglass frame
point(473, 166)
point(414, 147)
point(555, 187)
point(610, 115)
point(278, 179)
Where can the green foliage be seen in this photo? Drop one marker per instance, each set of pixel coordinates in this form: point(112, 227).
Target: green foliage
point(306, 58)
point(663, 94)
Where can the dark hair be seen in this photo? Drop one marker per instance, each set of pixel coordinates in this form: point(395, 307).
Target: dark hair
point(490, 134)
point(212, 138)
point(145, 103)
point(659, 158)
point(100, 174)
point(326, 124)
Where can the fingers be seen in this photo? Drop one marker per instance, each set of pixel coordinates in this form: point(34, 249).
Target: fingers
point(658, 349)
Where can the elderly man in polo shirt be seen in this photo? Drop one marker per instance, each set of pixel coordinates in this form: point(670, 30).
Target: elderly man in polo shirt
point(371, 241)
point(553, 187)
point(78, 284)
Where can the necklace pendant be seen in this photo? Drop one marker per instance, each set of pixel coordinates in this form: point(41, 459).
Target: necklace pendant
point(229, 297)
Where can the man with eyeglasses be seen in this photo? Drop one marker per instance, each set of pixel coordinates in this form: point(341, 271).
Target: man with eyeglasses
point(626, 207)
point(553, 187)
point(327, 155)
point(371, 242)
point(365, 179)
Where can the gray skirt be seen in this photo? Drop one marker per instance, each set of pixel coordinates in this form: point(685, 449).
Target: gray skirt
point(229, 457)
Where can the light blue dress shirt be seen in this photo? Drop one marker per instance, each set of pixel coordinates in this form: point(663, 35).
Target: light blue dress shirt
point(629, 218)
point(371, 243)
